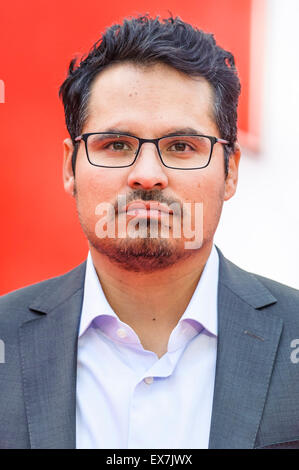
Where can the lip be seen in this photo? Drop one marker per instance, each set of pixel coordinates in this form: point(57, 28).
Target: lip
point(148, 206)
point(146, 210)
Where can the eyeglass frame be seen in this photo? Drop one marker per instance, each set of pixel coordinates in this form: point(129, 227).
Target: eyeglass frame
point(213, 140)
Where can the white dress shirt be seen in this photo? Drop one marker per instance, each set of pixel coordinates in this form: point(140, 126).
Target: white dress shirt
point(129, 398)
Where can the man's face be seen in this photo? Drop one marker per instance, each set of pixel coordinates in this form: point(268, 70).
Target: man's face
point(149, 103)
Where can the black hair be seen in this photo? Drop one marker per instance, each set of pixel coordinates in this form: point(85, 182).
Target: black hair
point(144, 41)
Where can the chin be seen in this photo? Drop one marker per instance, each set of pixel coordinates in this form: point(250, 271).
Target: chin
point(142, 254)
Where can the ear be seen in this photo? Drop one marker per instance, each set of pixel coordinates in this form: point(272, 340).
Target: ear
point(233, 170)
point(68, 175)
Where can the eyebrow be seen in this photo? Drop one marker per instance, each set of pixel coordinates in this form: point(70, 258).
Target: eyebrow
point(168, 133)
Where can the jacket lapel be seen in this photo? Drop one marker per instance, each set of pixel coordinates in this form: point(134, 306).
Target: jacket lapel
point(48, 349)
point(247, 344)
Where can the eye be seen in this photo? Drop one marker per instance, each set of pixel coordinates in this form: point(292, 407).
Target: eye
point(180, 147)
point(118, 145)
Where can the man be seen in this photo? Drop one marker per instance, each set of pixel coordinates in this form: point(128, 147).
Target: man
point(157, 341)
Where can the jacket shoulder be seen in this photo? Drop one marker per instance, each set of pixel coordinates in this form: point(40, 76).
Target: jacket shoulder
point(24, 296)
point(287, 305)
point(278, 289)
point(262, 293)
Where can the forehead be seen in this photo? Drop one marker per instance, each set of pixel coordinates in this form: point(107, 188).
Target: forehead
point(149, 97)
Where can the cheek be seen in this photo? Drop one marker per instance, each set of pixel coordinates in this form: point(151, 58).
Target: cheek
point(95, 183)
point(210, 192)
point(94, 188)
point(206, 188)
point(101, 185)
point(212, 198)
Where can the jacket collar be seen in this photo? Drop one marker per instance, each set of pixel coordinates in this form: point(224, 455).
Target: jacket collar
point(58, 290)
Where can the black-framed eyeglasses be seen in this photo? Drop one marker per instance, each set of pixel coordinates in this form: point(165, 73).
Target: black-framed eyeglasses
point(179, 152)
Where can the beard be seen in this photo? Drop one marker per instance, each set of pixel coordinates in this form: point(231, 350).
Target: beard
point(141, 254)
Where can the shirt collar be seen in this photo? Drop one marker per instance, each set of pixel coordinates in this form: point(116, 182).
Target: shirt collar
point(202, 308)
point(95, 303)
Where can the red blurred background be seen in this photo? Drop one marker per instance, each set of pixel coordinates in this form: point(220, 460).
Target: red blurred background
point(40, 235)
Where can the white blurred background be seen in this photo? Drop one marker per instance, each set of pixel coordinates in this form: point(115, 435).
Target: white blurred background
point(259, 229)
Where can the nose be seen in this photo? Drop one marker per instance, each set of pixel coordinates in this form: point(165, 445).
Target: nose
point(148, 170)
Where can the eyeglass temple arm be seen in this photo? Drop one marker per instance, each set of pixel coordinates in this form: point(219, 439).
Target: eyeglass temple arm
point(222, 141)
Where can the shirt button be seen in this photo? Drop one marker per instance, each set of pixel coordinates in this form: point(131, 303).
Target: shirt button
point(149, 380)
point(121, 333)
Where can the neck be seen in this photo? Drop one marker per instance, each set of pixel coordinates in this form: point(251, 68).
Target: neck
point(143, 299)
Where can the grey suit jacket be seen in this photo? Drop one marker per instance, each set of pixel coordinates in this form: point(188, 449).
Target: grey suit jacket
point(256, 395)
